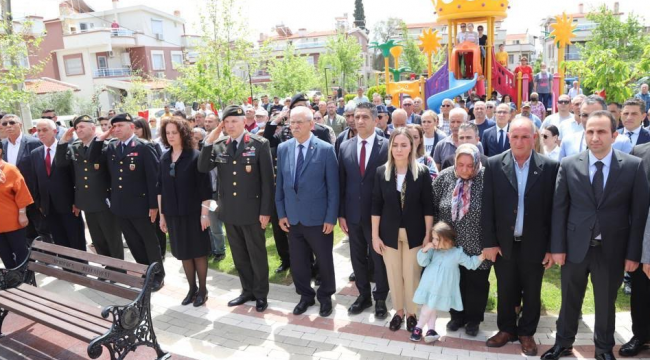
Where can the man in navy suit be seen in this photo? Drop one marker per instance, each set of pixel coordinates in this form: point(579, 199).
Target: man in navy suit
point(17, 147)
point(54, 193)
point(359, 158)
point(495, 139)
point(307, 200)
point(632, 117)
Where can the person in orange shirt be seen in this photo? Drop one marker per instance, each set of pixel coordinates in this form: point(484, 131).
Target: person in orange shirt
point(14, 198)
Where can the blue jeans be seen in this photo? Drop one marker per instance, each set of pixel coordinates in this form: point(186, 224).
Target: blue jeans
point(546, 99)
point(217, 236)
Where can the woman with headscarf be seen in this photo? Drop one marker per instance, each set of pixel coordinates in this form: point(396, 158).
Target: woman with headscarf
point(402, 219)
point(457, 196)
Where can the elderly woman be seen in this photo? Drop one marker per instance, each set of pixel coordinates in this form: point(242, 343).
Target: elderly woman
point(198, 134)
point(14, 198)
point(432, 135)
point(401, 222)
point(422, 157)
point(457, 196)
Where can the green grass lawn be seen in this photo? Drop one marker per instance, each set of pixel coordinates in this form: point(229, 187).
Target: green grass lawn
point(551, 294)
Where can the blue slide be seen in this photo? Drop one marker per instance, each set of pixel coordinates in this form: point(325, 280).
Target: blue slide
point(456, 87)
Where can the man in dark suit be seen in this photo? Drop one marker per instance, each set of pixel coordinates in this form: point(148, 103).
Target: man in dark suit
point(495, 139)
point(640, 281)
point(516, 225)
point(245, 199)
point(597, 230)
point(411, 116)
point(92, 186)
point(468, 133)
point(133, 166)
point(17, 148)
point(307, 200)
point(54, 194)
point(359, 158)
point(632, 117)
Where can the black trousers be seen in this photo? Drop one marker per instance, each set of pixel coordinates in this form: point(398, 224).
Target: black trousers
point(281, 240)
point(514, 276)
point(606, 278)
point(474, 290)
point(140, 235)
point(37, 225)
point(303, 241)
point(366, 261)
point(248, 247)
point(104, 228)
point(640, 304)
point(13, 248)
point(67, 229)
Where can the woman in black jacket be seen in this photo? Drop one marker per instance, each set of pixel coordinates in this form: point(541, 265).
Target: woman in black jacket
point(402, 218)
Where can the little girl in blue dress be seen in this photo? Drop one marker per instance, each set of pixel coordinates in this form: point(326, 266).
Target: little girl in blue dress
point(439, 288)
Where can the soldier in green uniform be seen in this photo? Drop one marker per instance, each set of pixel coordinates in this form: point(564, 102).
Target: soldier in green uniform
point(245, 199)
point(92, 186)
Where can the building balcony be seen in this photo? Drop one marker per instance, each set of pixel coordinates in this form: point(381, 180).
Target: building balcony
point(105, 37)
point(112, 72)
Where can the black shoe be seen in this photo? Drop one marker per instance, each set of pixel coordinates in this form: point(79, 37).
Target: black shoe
point(606, 356)
point(471, 328)
point(633, 347)
point(416, 335)
point(201, 298)
point(359, 305)
point(190, 296)
point(455, 324)
point(325, 308)
point(219, 257)
point(352, 277)
point(381, 312)
point(411, 323)
point(302, 306)
point(282, 268)
point(241, 299)
point(158, 284)
point(261, 305)
point(396, 323)
point(556, 352)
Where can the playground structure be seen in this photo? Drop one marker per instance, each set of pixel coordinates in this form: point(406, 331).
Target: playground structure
point(480, 74)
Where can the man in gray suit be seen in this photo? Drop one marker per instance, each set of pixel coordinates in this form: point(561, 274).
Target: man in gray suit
point(597, 230)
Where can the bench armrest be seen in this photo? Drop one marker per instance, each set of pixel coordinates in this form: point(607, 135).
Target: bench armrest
point(12, 278)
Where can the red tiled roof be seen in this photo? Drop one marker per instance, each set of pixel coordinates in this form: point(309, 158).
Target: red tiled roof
point(46, 86)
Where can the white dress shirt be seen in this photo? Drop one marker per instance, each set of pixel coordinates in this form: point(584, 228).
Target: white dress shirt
point(52, 151)
point(304, 153)
point(505, 133)
point(634, 137)
point(370, 141)
point(13, 149)
point(607, 161)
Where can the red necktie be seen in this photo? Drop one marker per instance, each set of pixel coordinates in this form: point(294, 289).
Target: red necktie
point(48, 162)
point(362, 158)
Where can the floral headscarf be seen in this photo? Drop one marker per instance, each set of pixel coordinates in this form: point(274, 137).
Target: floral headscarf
point(462, 192)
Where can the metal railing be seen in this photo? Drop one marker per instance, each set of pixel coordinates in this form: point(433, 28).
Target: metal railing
point(109, 72)
point(121, 32)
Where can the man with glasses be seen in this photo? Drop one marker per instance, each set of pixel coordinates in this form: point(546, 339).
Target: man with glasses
point(133, 167)
point(411, 116)
point(575, 143)
point(445, 108)
point(490, 107)
point(569, 127)
point(563, 113)
point(480, 118)
point(495, 139)
point(17, 148)
point(51, 114)
point(382, 120)
point(417, 106)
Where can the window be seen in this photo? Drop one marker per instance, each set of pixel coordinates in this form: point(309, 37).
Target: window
point(74, 65)
point(158, 60)
point(83, 27)
point(177, 59)
point(102, 62)
point(511, 59)
point(156, 26)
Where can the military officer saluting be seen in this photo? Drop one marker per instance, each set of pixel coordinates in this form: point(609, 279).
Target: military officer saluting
point(133, 167)
point(92, 186)
point(245, 199)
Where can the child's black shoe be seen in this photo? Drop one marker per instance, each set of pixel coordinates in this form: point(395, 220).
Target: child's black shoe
point(431, 336)
point(416, 335)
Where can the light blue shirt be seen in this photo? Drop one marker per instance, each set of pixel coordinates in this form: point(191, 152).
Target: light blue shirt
point(522, 179)
point(634, 136)
point(607, 161)
point(304, 153)
point(569, 127)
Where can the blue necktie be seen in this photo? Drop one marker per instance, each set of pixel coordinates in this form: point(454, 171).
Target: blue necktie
point(501, 141)
point(301, 160)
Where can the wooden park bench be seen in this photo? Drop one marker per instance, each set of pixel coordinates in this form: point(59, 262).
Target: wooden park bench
point(129, 326)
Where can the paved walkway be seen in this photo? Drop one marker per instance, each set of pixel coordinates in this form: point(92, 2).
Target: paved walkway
point(216, 331)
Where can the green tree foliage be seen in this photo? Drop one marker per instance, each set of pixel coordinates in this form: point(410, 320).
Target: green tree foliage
point(15, 49)
point(412, 57)
point(359, 15)
point(291, 74)
point(343, 57)
point(380, 89)
point(614, 58)
point(137, 98)
point(382, 32)
point(62, 101)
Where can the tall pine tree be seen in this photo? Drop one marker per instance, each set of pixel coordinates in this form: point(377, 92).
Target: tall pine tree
point(359, 15)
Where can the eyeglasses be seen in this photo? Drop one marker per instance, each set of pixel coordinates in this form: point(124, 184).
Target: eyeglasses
point(503, 112)
point(10, 122)
point(564, 102)
point(172, 169)
point(47, 117)
point(584, 116)
point(407, 104)
point(490, 107)
point(445, 105)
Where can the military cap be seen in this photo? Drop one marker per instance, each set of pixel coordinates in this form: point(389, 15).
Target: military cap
point(82, 118)
point(121, 118)
point(232, 110)
point(382, 109)
point(297, 98)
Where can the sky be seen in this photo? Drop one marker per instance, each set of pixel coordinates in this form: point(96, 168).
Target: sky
point(262, 16)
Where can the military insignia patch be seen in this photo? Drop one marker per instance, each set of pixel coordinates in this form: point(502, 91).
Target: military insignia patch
point(132, 167)
point(249, 168)
point(96, 166)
